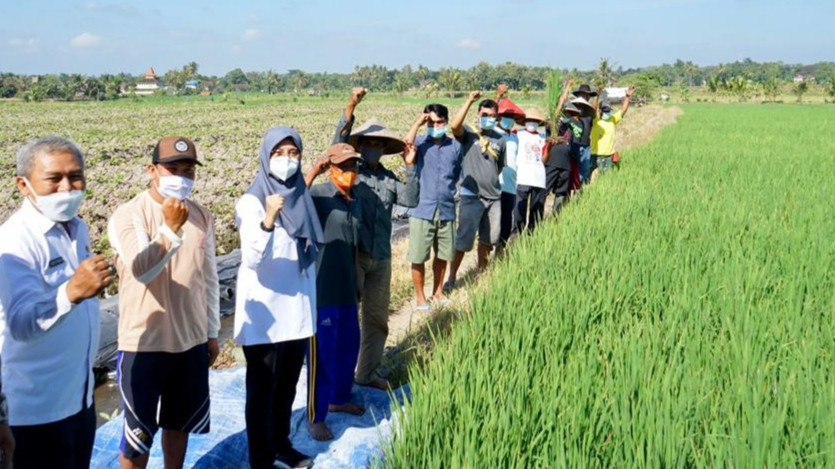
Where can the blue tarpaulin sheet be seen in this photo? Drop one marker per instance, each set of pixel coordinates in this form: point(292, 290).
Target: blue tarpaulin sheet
point(358, 439)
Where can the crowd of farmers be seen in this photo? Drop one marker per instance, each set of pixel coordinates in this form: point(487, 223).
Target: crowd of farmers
point(311, 257)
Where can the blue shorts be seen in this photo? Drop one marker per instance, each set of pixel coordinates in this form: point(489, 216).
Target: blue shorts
point(176, 383)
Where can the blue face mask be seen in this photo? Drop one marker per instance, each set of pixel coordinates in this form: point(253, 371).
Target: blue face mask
point(606, 116)
point(436, 132)
point(507, 123)
point(487, 123)
point(531, 126)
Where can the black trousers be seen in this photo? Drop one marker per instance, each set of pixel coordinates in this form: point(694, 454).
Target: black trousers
point(508, 206)
point(272, 371)
point(530, 206)
point(558, 181)
point(67, 443)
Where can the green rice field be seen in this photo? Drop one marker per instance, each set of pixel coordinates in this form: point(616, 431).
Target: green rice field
point(680, 314)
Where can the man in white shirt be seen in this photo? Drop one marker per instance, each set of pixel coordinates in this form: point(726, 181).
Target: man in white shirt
point(49, 325)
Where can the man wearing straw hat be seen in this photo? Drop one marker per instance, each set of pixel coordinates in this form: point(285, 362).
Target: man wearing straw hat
point(558, 169)
point(379, 189)
point(581, 144)
point(530, 160)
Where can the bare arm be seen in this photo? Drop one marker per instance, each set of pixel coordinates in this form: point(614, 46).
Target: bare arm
point(318, 168)
point(625, 106)
point(344, 131)
point(500, 92)
point(410, 137)
point(565, 88)
point(457, 124)
point(596, 102)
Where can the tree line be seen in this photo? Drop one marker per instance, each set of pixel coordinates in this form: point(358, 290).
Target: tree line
point(742, 78)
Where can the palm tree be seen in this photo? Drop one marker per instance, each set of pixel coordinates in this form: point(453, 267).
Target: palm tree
point(800, 89)
point(271, 81)
point(400, 85)
point(604, 73)
point(829, 87)
point(450, 79)
point(690, 69)
point(771, 88)
point(739, 86)
point(191, 70)
point(713, 85)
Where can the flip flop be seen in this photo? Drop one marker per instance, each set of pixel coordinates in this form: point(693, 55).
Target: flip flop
point(442, 302)
point(423, 308)
point(449, 285)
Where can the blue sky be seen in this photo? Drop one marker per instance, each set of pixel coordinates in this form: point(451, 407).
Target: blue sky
point(102, 36)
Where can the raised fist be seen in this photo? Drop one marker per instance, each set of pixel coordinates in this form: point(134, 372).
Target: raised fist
point(273, 205)
point(357, 94)
point(475, 95)
point(175, 213)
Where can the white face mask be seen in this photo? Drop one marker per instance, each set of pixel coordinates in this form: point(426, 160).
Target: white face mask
point(175, 187)
point(58, 206)
point(284, 167)
point(531, 126)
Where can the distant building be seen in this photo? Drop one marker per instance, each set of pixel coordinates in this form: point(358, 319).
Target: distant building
point(192, 84)
point(799, 78)
point(148, 85)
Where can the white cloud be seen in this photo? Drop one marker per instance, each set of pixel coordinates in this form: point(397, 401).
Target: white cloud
point(468, 44)
point(23, 43)
point(85, 40)
point(250, 34)
point(120, 8)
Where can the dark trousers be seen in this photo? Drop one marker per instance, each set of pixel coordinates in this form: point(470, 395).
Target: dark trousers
point(332, 359)
point(508, 205)
point(558, 181)
point(530, 206)
point(67, 443)
point(272, 371)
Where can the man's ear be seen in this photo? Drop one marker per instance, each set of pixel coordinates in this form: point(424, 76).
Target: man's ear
point(22, 186)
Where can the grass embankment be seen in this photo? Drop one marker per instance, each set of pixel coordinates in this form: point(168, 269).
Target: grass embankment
point(680, 314)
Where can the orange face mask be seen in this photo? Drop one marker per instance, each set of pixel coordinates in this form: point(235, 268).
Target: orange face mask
point(342, 179)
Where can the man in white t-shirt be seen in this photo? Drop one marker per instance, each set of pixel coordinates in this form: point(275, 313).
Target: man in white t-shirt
point(530, 171)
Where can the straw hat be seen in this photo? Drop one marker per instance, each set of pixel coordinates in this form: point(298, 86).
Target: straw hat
point(582, 102)
point(534, 114)
point(372, 128)
point(571, 108)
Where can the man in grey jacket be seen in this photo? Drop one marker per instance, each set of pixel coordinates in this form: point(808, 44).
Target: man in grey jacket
point(379, 190)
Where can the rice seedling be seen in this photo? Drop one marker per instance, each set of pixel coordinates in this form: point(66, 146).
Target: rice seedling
point(679, 315)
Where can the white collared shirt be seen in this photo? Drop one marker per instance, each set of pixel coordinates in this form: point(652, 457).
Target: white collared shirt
point(48, 344)
point(275, 302)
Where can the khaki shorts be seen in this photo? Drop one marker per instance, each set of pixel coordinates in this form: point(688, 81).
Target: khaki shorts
point(425, 235)
point(481, 215)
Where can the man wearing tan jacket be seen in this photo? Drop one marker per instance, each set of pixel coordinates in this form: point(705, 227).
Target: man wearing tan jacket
point(164, 245)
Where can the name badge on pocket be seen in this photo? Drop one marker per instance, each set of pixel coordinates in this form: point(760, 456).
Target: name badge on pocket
point(56, 262)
